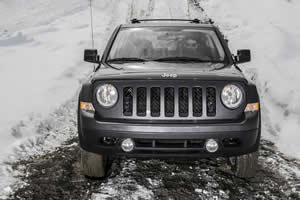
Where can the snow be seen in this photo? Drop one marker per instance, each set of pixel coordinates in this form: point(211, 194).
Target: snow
point(170, 9)
point(123, 185)
point(41, 65)
point(271, 29)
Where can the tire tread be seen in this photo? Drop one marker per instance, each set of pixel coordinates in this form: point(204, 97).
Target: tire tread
point(246, 165)
point(92, 164)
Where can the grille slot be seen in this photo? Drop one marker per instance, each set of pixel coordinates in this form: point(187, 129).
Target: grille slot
point(127, 101)
point(155, 102)
point(197, 101)
point(211, 101)
point(169, 102)
point(183, 95)
point(141, 101)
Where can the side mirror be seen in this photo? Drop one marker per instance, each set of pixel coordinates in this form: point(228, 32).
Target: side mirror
point(91, 55)
point(243, 56)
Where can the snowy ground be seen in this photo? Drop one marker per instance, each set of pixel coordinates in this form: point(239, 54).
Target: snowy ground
point(41, 45)
point(57, 175)
point(41, 67)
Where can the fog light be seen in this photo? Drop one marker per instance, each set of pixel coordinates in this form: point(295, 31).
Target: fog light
point(211, 145)
point(127, 145)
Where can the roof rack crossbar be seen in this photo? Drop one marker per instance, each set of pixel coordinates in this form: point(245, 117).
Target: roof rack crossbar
point(135, 21)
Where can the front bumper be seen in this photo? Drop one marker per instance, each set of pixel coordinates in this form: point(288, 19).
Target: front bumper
point(247, 133)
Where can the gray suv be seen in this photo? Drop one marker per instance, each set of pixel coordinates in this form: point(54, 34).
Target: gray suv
point(168, 89)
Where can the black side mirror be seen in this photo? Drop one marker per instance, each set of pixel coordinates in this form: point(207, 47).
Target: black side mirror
point(243, 56)
point(91, 55)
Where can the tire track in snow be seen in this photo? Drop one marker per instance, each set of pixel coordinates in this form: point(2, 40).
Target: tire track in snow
point(140, 9)
point(170, 9)
point(150, 8)
point(188, 9)
point(196, 11)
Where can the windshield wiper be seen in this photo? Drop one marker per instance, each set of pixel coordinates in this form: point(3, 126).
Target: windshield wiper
point(127, 60)
point(185, 59)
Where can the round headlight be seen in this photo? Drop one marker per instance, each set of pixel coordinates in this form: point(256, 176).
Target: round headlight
point(232, 96)
point(107, 95)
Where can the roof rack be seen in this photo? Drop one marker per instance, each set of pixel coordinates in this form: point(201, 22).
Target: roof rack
point(136, 21)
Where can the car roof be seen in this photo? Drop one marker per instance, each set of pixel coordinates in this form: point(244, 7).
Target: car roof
point(167, 24)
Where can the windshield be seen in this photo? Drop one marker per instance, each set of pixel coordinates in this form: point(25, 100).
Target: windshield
point(166, 44)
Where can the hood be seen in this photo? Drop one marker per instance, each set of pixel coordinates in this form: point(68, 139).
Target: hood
point(163, 71)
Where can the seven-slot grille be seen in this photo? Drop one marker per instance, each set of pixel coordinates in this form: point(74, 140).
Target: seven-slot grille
point(169, 101)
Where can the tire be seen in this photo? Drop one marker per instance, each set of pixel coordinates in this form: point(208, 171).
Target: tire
point(95, 165)
point(244, 166)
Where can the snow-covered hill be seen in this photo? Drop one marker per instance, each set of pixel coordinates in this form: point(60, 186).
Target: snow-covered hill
point(41, 44)
point(271, 29)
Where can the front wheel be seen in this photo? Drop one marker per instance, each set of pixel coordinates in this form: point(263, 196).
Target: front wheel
point(95, 165)
point(244, 166)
